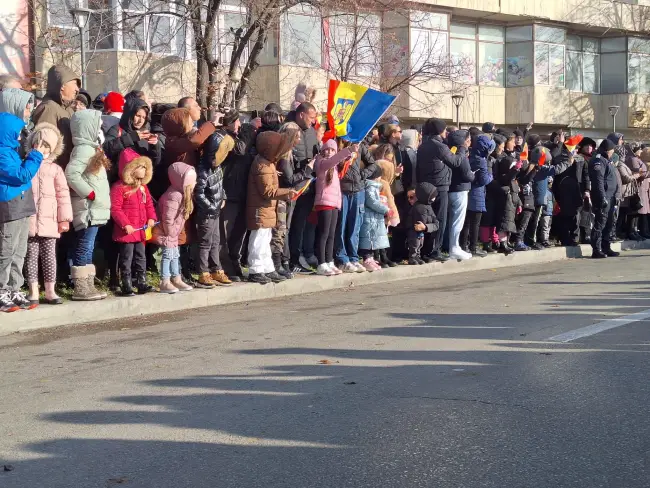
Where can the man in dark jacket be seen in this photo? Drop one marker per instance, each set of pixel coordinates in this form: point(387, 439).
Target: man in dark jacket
point(604, 186)
point(461, 182)
point(302, 233)
point(210, 198)
point(434, 164)
point(572, 190)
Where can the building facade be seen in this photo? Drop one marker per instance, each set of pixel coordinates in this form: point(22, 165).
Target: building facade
point(556, 63)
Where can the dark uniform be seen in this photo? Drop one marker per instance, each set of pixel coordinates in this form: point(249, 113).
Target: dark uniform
point(569, 188)
point(604, 185)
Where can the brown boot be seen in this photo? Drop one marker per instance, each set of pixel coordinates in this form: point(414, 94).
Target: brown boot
point(205, 281)
point(221, 279)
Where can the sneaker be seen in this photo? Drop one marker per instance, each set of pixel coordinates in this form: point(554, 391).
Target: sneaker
point(206, 282)
point(325, 270)
point(6, 303)
point(438, 256)
point(377, 266)
point(611, 254)
point(178, 282)
point(537, 247)
point(369, 265)
point(299, 269)
point(459, 254)
point(312, 261)
point(286, 272)
point(547, 244)
point(520, 246)
point(350, 268)
point(220, 278)
point(306, 264)
point(596, 254)
point(167, 287)
point(260, 278)
point(479, 253)
point(360, 267)
point(336, 270)
point(19, 298)
point(275, 277)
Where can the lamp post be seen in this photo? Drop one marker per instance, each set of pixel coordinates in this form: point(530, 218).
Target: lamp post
point(458, 101)
point(80, 17)
point(613, 110)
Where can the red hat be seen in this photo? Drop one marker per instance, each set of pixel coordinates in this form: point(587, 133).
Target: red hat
point(114, 102)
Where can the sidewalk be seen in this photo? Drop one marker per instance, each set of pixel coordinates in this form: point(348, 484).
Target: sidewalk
point(115, 308)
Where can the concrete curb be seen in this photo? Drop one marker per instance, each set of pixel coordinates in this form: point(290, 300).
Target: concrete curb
point(116, 308)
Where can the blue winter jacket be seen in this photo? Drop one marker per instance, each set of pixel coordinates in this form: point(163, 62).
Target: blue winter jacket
point(15, 174)
point(481, 149)
point(373, 234)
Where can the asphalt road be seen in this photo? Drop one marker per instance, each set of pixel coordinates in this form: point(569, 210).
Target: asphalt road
point(444, 382)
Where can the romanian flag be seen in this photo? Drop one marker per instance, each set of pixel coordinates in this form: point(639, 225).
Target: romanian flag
point(353, 110)
point(303, 189)
point(523, 155)
point(572, 142)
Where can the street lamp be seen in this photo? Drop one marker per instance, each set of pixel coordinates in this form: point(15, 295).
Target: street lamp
point(80, 17)
point(458, 101)
point(613, 110)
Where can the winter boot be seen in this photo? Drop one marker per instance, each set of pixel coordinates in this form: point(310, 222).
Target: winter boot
point(82, 292)
point(275, 277)
point(114, 282)
point(477, 252)
point(91, 280)
point(205, 281)
point(384, 258)
point(142, 285)
point(598, 254)
point(220, 278)
point(126, 286)
point(505, 249)
point(260, 278)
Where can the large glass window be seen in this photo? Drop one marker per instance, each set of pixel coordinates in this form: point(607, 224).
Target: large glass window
point(462, 50)
point(583, 64)
point(477, 53)
point(301, 37)
point(354, 42)
point(549, 55)
point(638, 65)
point(613, 65)
point(519, 56)
point(133, 25)
point(429, 43)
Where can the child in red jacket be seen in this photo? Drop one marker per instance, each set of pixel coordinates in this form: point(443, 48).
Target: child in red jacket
point(133, 212)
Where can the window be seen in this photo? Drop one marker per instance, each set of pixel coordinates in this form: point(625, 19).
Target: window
point(133, 25)
point(549, 55)
point(228, 24)
point(462, 51)
point(638, 66)
point(613, 65)
point(99, 30)
point(583, 64)
point(477, 48)
point(429, 43)
point(301, 37)
point(490, 55)
point(519, 56)
point(354, 42)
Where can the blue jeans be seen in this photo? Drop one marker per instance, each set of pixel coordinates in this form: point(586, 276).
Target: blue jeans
point(170, 262)
point(349, 226)
point(84, 246)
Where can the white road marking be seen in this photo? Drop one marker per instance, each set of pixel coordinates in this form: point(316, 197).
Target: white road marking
point(600, 327)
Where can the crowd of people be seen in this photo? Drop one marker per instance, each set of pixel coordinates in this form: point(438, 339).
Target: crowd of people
point(138, 181)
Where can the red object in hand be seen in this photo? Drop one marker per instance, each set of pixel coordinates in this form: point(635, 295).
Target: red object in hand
point(91, 196)
point(519, 210)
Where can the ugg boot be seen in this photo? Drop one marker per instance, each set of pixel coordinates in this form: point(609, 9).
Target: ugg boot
point(142, 285)
point(126, 286)
point(91, 280)
point(167, 287)
point(82, 292)
point(178, 282)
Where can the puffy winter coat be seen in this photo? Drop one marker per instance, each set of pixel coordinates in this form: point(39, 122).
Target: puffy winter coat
point(263, 186)
point(237, 166)
point(422, 210)
point(604, 179)
point(569, 187)
point(637, 166)
point(561, 161)
point(14, 101)
point(50, 188)
point(435, 161)
point(353, 180)
point(482, 176)
point(170, 205)
point(54, 111)
point(209, 192)
point(329, 195)
point(16, 200)
point(85, 173)
point(461, 176)
point(374, 234)
point(131, 202)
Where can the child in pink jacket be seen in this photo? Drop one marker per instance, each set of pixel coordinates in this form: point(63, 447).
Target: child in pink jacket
point(328, 202)
point(174, 208)
point(53, 215)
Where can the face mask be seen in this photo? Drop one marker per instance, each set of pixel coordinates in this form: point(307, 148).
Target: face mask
point(101, 138)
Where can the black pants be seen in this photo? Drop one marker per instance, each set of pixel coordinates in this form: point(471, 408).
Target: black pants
point(327, 220)
point(621, 221)
point(207, 229)
point(301, 212)
point(603, 224)
point(110, 248)
point(398, 244)
point(433, 242)
point(567, 226)
point(524, 220)
point(469, 234)
point(132, 254)
point(233, 232)
point(415, 242)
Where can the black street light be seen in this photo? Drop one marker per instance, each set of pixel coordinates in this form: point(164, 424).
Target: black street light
point(80, 17)
point(458, 101)
point(613, 110)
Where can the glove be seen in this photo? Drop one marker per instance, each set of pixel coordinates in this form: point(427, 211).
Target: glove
point(91, 196)
point(604, 203)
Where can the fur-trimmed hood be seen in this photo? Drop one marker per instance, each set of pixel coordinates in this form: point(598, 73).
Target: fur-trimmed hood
point(48, 133)
point(129, 162)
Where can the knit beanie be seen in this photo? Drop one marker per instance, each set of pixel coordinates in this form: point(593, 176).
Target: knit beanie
point(489, 128)
point(533, 140)
point(606, 145)
point(114, 102)
point(230, 117)
point(330, 144)
point(536, 155)
point(435, 127)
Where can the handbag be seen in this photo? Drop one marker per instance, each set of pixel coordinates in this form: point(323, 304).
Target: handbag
point(635, 200)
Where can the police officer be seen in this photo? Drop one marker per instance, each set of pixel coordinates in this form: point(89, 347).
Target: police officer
point(604, 185)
